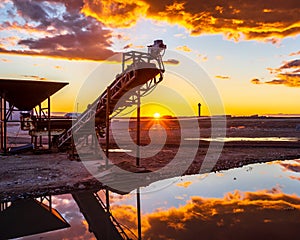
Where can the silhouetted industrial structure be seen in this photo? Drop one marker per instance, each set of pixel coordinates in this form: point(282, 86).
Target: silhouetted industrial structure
point(139, 69)
point(26, 97)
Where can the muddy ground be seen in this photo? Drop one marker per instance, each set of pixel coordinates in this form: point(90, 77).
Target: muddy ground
point(32, 174)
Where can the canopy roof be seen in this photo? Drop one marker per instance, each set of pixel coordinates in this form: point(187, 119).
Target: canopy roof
point(26, 94)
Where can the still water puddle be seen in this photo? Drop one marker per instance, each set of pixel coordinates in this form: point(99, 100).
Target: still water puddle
point(246, 139)
point(119, 150)
point(256, 201)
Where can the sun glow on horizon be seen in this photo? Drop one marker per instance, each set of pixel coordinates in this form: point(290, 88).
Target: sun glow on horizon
point(156, 115)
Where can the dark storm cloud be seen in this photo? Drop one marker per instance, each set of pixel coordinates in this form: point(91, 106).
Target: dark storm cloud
point(91, 44)
point(71, 5)
point(31, 10)
point(68, 35)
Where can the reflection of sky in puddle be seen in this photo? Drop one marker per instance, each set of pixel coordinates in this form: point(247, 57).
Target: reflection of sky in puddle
point(249, 178)
point(237, 199)
point(256, 201)
point(246, 139)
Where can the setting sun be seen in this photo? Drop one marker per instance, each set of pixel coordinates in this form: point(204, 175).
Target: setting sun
point(156, 115)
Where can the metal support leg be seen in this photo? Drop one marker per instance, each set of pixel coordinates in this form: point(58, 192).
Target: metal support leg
point(107, 200)
point(49, 125)
point(40, 119)
point(138, 129)
point(72, 148)
point(4, 128)
point(1, 124)
point(107, 126)
point(50, 203)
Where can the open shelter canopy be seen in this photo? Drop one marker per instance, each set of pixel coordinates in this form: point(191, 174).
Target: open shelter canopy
point(26, 94)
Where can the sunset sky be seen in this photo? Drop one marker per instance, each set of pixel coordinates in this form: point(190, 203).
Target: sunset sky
point(249, 49)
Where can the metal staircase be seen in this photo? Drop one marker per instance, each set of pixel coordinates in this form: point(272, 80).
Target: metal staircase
point(139, 70)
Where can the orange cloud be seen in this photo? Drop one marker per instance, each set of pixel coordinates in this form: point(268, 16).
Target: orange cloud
point(128, 46)
point(222, 77)
point(184, 184)
point(294, 178)
point(291, 166)
point(256, 81)
point(9, 41)
point(34, 77)
point(203, 58)
point(287, 74)
point(276, 82)
point(235, 20)
point(239, 215)
point(290, 80)
point(115, 13)
point(171, 62)
point(82, 29)
point(127, 215)
point(24, 28)
point(294, 53)
point(184, 48)
point(253, 19)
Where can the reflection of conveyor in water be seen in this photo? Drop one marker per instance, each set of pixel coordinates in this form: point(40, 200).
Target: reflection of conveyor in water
point(101, 221)
point(142, 72)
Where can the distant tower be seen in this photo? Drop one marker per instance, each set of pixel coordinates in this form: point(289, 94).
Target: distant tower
point(199, 109)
